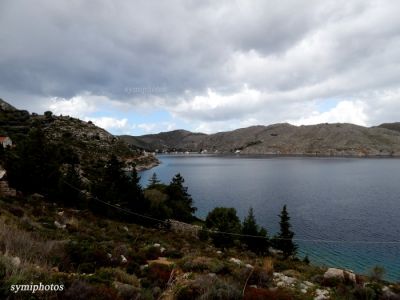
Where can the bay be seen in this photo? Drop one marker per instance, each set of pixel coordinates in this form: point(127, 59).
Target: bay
point(345, 212)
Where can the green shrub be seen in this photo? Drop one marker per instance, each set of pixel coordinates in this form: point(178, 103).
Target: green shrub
point(201, 264)
point(208, 288)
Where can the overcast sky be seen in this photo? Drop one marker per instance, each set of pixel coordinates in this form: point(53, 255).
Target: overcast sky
point(139, 67)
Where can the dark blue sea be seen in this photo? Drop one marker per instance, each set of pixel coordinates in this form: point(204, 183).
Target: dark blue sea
point(345, 212)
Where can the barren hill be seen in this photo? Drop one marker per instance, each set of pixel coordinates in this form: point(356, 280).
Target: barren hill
point(283, 139)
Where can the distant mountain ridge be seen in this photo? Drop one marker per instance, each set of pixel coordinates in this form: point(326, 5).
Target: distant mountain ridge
point(340, 139)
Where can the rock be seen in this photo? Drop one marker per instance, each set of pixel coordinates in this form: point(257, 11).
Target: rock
point(157, 245)
point(283, 280)
point(219, 252)
point(16, 261)
point(253, 286)
point(280, 284)
point(212, 274)
point(236, 261)
point(388, 294)
point(249, 266)
point(125, 228)
point(109, 255)
point(162, 249)
point(309, 284)
point(123, 259)
point(59, 225)
point(321, 294)
point(60, 213)
point(333, 273)
point(274, 251)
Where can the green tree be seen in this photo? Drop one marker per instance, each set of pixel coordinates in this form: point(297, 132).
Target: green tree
point(70, 188)
point(34, 165)
point(255, 237)
point(153, 181)
point(179, 200)
point(284, 240)
point(223, 219)
point(48, 114)
point(116, 187)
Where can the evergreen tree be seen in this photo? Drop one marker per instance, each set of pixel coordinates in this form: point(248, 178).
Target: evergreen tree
point(179, 200)
point(70, 188)
point(135, 196)
point(225, 220)
point(257, 241)
point(34, 165)
point(284, 240)
point(153, 181)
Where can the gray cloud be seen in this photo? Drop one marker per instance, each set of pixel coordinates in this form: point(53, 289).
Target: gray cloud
point(288, 54)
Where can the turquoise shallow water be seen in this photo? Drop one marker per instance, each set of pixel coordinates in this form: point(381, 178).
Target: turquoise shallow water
point(352, 204)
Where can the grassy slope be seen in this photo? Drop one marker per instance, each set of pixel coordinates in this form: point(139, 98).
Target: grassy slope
point(86, 257)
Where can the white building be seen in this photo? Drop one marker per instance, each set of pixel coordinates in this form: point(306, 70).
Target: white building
point(5, 141)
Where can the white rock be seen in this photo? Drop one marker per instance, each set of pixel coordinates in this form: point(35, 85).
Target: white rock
point(16, 261)
point(249, 266)
point(109, 255)
point(253, 286)
point(304, 291)
point(162, 249)
point(60, 213)
point(123, 259)
point(219, 252)
point(59, 225)
point(157, 245)
point(309, 284)
point(340, 274)
point(125, 228)
point(321, 294)
point(235, 260)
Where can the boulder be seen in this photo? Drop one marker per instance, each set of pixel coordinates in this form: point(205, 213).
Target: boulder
point(343, 275)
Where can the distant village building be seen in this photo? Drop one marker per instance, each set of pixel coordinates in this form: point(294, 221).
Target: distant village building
point(5, 141)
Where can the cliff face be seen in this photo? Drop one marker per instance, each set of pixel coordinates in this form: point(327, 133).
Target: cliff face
point(284, 139)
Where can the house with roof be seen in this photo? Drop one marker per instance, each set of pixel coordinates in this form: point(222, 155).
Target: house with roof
point(5, 141)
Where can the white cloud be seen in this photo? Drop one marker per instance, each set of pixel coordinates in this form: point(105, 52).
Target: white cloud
point(78, 106)
point(214, 65)
point(343, 112)
point(147, 127)
point(111, 124)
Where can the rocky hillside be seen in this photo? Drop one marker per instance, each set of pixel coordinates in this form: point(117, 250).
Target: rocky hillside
point(89, 141)
point(283, 139)
point(99, 258)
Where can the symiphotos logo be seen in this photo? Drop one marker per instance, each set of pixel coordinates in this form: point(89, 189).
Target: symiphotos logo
point(33, 288)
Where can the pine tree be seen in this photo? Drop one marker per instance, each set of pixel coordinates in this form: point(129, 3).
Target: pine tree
point(70, 188)
point(284, 241)
point(135, 195)
point(179, 200)
point(250, 227)
point(153, 181)
point(223, 219)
